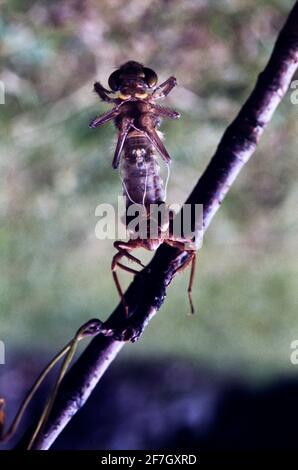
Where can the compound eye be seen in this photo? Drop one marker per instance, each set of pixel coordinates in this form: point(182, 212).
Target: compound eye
point(150, 77)
point(114, 80)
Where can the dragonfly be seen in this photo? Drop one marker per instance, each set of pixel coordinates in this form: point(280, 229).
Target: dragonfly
point(137, 116)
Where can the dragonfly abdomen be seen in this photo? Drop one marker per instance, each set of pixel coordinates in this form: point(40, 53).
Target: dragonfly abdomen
point(142, 183)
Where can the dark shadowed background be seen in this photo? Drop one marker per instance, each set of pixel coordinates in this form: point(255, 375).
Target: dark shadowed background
point(212, 379)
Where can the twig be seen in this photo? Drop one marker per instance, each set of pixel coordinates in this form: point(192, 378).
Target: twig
point(148, 289)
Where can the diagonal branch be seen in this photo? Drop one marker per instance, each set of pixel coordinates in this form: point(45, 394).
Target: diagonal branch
point(148, 289)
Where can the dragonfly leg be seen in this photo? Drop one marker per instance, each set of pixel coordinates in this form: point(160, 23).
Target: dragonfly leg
point(191, 260)
point(164, 88)
point(163, 112)
point(104, 118)
point(124, 249)
point(103, 93)
point(125, 127)
point(147, 126)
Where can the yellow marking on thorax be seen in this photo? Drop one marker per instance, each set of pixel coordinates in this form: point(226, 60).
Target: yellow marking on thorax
point(141, 96)
point(124, 97)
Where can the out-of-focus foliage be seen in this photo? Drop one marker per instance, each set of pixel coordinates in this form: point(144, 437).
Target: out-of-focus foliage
point(55, 274)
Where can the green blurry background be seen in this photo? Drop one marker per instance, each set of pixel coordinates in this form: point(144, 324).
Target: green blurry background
point(55, 274)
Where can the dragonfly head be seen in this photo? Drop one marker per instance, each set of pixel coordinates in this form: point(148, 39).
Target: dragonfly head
point(132, 79)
